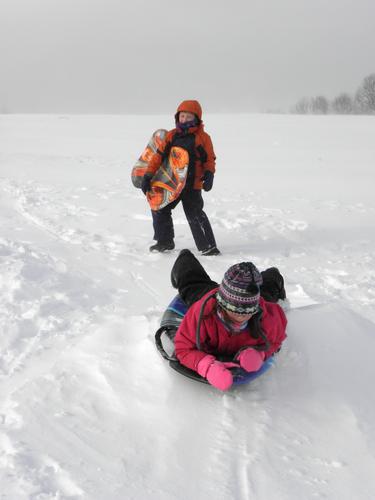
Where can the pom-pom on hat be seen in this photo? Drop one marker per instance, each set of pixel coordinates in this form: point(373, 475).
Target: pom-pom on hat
point(239, 290)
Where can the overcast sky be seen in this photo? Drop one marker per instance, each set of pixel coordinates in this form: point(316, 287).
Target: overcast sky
point(143, 56)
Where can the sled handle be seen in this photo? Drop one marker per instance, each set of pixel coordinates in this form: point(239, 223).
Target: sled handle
point(159, 344)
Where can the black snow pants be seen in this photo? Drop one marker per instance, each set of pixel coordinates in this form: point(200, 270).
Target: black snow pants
point(192, 203)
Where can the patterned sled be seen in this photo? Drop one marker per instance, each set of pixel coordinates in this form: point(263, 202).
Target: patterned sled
point(170, 179)
point(139, 169)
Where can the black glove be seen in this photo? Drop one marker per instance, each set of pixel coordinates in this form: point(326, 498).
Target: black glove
point(146, 183)
point(208, 180)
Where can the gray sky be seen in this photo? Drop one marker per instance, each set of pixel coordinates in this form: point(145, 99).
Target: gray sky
point(143, 56)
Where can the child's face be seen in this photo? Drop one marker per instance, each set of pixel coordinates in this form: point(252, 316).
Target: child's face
point(185, 116)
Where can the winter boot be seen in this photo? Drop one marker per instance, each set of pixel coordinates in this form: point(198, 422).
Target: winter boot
point(162, 247)
point(272, 288)
point(211, 251)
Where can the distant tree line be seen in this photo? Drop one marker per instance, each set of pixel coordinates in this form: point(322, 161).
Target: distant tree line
point(362, 102)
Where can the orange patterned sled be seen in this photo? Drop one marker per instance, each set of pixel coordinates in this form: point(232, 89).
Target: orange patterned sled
point(169, 180)
point(140, 167)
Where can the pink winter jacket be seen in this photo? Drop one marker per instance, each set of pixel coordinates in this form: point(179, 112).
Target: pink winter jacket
point(216, 339)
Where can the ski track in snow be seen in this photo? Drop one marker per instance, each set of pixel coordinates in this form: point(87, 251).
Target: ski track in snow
point(81, 298)
point(60, 214)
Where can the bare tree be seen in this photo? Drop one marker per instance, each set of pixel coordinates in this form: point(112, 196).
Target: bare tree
point(365, 96)
point(343, 104)
point(319, 105)
point(302, 107)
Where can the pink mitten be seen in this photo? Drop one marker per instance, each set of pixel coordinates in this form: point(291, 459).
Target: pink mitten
point(216, 372)
point(250, 359)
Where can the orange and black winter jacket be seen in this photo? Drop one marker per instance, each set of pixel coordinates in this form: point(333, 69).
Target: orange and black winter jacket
point(202, 162)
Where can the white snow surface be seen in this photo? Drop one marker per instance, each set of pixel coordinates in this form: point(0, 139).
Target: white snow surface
point(89, 409)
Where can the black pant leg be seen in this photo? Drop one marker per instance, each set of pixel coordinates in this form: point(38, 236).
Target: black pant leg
point(163, 223)
point(190, 278)
point(200, 226)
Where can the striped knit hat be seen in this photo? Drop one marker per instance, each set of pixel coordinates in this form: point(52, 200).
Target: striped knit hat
point(239, 290)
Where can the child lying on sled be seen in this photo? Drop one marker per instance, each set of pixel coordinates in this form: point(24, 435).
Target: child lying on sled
point(239, 322)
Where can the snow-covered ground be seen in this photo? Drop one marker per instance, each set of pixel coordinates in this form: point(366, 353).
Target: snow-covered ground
point(88, 408)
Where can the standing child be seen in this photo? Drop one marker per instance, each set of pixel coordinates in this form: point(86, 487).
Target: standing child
point(190, 135)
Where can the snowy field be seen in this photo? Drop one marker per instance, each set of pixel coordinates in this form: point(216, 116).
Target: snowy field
point(89, 409)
